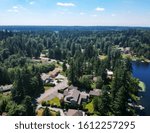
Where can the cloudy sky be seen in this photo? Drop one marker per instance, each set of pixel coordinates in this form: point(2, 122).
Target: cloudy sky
point(75, 12)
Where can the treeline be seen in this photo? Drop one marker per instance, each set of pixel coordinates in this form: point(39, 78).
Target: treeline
point(63, 44)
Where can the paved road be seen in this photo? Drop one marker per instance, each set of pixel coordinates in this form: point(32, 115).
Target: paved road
point(51, 93)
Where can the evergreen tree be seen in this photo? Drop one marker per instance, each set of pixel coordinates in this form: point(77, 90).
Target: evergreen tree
point(119, 106)
point(99, 83)
point(30, 111)
point(101, 103)
point(64, 66)
point(46, 112)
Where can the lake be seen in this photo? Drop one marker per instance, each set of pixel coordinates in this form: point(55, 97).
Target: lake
point(142, 71)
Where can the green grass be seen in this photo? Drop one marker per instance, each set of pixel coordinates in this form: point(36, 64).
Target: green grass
point(125, 56)
point(46, 87)
point(134, 97)
point(103, 57)
point(55, 101)
point(53, 113)
point(90, 107)
point(40, 112)
point(142, 86)
point(93, 85)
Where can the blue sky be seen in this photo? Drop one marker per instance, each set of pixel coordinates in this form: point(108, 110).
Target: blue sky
point(75, 12)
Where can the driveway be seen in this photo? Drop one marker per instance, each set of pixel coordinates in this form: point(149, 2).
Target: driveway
point(53, 92)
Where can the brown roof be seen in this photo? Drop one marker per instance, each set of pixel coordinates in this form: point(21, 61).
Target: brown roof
point(83, 96)
point(73, 112)
point(55, 72)
point(95, 92)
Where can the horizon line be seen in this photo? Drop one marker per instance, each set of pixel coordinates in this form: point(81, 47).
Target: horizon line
point(82, 25)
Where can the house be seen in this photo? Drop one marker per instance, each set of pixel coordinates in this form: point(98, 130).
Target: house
point(83, 97)
point(121, 49)
point(46, 78)
point(5, 88)
point(127, 50)
point(73, 112)
point(109, 74)
point(55, 72)
point(95, 92)
point(73, 96)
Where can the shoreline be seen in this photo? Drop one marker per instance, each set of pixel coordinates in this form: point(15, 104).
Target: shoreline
point(142, 86)
point(135, 58)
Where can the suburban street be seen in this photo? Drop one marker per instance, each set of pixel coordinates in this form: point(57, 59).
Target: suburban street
point(53, 92)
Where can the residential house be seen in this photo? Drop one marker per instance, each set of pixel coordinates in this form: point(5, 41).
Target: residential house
point(55, 72)
point(109, 74)
point(73, 96)
point(5, 88)
point(46, 78)
point(127, 50)
point(83, 97)
point(95, 92)
point(73, 112)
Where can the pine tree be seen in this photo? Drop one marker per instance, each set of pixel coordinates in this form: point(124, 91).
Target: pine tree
point(104, 102)
point(120, 103)
point(46, 112)
point(64, 66)
point(30, 111)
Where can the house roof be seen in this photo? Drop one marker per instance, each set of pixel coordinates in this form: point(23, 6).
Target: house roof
point(83, 95)
point(5, 88)
point(71, 87)
point(55, 72)
point(73, 112)
point(109, 73)
point(95, 92)
point(72, 93)
point(45, 76)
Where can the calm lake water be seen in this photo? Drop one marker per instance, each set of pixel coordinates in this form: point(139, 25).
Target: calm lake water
point(142, 71)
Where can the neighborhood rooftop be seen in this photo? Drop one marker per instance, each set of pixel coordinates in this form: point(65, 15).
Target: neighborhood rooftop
point(73, 112)
point(5, 88)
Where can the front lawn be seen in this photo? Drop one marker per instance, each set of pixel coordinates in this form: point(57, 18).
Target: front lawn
point(52, 112)
point(55, 102)
point(90, 107)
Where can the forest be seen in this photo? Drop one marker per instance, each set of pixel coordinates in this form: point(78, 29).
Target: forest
point(88, 54)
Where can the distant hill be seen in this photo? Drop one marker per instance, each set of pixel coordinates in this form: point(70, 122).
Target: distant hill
point(68, 28)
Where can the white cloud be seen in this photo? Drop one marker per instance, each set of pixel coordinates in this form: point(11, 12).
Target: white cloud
point(16, 9)
point(32, 3)
point(99, 9)
point(65, 4)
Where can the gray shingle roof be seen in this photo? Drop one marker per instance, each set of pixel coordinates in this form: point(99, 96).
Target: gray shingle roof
point(73, 112)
